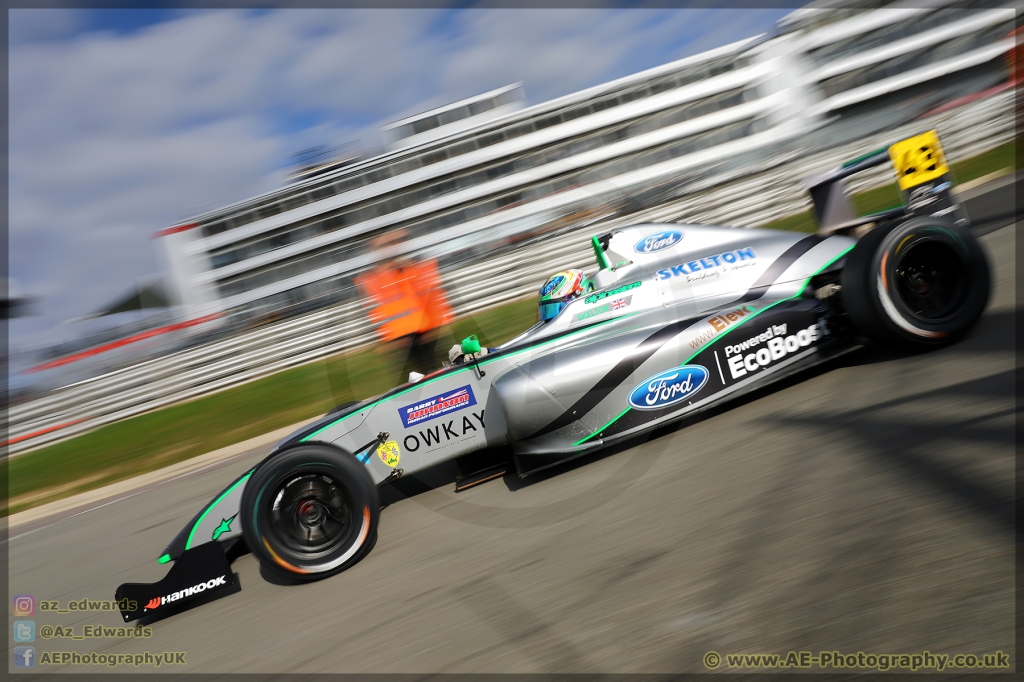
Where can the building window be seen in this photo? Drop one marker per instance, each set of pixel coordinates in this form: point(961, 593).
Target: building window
point(423, 158)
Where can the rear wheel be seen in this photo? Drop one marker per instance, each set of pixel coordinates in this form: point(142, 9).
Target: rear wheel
point(310, 512)
point(924, 282)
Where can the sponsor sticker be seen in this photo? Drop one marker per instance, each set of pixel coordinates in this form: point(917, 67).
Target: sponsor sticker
point(445, 434)
point(669, 387)
point(658, 241)
point(610, 306)
point(703, 267)
point(157, 602)
point(775, 343)
point(601, 295)
point(719, 323)
point(223, 527)
point(437, 406)
point(389, 453)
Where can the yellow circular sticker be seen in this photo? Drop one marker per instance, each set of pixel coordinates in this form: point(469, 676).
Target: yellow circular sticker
point(389, 453)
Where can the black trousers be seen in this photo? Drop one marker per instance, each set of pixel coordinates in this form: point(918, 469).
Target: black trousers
point(419, 356)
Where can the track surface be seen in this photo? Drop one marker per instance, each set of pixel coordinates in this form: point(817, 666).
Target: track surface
point(866, 506)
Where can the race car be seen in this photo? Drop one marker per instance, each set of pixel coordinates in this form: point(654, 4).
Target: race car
point(676, 319)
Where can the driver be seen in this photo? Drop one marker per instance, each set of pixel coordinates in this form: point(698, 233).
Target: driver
point(557, 292)
point(561, 288)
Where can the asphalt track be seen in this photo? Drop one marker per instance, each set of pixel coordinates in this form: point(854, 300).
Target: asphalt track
point(866, 506)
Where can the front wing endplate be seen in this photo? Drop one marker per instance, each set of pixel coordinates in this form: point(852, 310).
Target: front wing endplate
point(200, 575)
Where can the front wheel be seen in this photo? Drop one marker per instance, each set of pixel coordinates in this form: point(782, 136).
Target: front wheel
point(924, 282)
point(310, 512)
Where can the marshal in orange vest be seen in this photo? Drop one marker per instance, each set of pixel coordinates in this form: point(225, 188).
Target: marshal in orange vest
point(405, 299)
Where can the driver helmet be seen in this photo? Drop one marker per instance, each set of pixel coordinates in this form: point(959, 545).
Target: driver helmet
point(561, 288)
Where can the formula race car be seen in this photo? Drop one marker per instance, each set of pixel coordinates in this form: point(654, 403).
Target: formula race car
point(676, 319)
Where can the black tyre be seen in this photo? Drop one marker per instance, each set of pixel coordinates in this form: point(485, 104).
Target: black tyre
point(310, 512)
point(921, 283)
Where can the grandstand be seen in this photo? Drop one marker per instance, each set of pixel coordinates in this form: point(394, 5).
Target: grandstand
point(481, 170)
point(304, 241)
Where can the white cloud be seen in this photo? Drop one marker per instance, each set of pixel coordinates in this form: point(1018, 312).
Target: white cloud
point(114, 136)
point(35, 25)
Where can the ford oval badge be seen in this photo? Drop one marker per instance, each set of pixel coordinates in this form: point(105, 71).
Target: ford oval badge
point(658, 241)
point(669, 387)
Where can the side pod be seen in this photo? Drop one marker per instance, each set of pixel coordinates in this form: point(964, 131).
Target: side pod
point(200, 575)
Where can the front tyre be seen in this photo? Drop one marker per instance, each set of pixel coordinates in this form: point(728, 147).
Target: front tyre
point(310, 512)
point(922, 283)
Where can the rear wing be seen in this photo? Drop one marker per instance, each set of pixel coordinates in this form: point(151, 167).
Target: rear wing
point(924, 178)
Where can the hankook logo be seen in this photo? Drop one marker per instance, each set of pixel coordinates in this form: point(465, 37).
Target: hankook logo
point(187, 592)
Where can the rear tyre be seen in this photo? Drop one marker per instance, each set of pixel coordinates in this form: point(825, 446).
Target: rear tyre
point(310, 512)
point(921, 283)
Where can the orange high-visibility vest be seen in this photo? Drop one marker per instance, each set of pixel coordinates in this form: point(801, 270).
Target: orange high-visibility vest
point(405, 300)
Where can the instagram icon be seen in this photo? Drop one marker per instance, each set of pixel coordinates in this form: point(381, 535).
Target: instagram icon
point(24, 605)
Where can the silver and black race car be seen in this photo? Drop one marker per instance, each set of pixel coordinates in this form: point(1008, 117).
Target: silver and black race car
point(682, 318)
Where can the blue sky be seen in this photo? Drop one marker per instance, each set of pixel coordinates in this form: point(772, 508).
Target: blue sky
point(123, 122)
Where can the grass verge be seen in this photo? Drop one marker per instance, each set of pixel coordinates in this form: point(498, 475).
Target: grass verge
point(154, 440)
point(151, 441)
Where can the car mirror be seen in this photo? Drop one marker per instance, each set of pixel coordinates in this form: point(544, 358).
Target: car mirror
point(471, 345)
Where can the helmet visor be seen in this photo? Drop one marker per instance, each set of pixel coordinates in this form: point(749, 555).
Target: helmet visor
point(548, 309)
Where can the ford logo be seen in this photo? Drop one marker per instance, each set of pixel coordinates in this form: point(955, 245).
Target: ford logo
point(669, 387)
point(658, 241)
